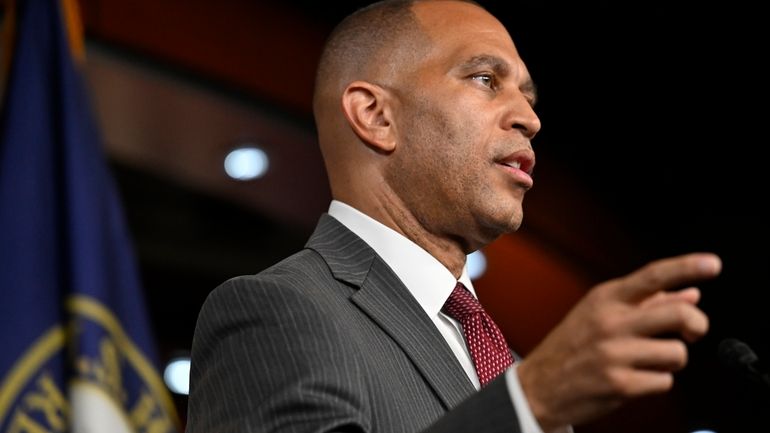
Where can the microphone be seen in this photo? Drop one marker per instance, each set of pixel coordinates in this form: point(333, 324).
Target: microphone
point(739, 356)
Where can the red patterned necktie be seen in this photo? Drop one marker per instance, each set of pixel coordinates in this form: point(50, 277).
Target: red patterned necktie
point(485, 342)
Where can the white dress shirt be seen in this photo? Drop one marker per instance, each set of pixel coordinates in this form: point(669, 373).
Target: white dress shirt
point(431, 284)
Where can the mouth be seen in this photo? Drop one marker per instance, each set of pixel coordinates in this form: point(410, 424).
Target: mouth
point(520, 165)
point(523, 160)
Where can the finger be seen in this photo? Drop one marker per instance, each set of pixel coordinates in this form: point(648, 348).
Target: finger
point(668, 274)
point(672, 317)
point(629, 382)
point(646, 353)
point(690, 295)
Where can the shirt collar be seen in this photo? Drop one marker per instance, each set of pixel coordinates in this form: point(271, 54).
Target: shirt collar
point(426, 278)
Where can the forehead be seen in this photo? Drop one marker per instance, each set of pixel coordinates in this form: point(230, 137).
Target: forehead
point(459, 31)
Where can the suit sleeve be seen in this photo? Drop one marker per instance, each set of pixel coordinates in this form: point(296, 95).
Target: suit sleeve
point(488, 411)
point(265, 360)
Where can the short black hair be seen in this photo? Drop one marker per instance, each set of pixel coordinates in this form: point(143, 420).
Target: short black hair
point(356, 42)
point(357, 39)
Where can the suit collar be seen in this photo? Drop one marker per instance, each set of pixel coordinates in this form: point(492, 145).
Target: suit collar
point(384, 298)
point(427, 279)
point(348, 256)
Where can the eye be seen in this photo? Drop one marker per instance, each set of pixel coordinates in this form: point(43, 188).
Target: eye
point(486, 79)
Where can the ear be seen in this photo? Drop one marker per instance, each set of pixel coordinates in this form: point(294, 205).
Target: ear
point(367, 108)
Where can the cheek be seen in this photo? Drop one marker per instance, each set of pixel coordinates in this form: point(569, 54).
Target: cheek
point(453, 161)
point(444, 147)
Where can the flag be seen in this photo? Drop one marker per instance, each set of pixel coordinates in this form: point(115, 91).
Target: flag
point(76, 348)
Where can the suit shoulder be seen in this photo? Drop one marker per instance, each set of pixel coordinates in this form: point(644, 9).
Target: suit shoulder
point(297, 276)
point(303, 268)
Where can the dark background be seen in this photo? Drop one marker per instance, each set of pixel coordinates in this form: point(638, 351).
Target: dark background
point(660, 111)
point(655, 112)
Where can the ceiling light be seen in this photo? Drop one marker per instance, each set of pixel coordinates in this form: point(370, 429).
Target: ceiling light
point(177, 375)
point(246, 163)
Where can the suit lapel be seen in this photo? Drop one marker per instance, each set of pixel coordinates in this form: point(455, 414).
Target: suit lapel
point(384, 298)
point(390, 305)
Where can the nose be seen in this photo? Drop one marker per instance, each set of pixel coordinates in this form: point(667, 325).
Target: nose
point(521, 116)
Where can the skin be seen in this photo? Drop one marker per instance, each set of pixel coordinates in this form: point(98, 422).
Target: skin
point(418, 146)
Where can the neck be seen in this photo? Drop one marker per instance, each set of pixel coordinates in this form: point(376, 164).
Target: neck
point(389, 210)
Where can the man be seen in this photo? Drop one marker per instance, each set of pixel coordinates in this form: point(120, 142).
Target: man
point(425, 115)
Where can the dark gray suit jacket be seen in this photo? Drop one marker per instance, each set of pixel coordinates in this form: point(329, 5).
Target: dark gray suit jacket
point(330, 340)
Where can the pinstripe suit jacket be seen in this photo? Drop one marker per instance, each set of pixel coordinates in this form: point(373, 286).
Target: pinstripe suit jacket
point(330, 340)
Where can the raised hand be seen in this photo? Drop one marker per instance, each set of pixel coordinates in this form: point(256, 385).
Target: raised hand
point(624, 339)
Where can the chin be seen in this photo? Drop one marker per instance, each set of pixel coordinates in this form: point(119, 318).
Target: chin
point(514, 226)
point(510, 216)
point(493, 228)
point(511, 225)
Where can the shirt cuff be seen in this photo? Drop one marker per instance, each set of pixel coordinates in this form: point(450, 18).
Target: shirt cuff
point(527, 420)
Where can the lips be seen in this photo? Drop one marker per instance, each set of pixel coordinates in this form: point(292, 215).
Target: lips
point(520, 165)
point(523, 160)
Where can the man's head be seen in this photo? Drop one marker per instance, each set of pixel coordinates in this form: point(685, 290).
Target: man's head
point(424, 110)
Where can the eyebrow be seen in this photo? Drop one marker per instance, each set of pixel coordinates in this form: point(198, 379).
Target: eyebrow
point(495, 63)
point(501, 68)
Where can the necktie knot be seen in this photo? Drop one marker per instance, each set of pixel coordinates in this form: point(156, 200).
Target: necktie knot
point(485, 342)
point(461, 304)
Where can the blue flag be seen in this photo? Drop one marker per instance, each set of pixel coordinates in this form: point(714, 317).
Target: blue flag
point(76, 349)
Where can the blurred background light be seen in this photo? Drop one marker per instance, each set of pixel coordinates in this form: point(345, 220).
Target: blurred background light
point(177, 375)
point(246, 163)
point(477, 264)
